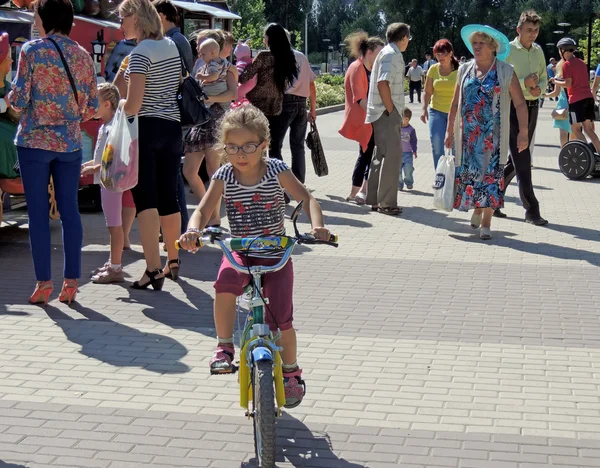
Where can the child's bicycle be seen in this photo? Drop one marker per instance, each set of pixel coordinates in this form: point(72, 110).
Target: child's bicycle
point(260, 370)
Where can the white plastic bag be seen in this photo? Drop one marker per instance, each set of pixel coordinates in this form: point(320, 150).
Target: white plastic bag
point(119, 171)
point(443, 187)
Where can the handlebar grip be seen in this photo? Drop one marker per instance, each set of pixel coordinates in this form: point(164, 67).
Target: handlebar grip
point(333, 238)
point(198, 243)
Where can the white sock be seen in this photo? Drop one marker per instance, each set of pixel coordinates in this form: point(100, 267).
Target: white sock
point(223, 341)
point(115, 266)
point(290, 367)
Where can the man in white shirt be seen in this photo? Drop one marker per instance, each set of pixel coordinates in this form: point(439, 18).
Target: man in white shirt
point(385, 106)
point(429, 61)
point(415, 74)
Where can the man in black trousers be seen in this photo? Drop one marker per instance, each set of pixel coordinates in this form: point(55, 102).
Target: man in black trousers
point(529, 63)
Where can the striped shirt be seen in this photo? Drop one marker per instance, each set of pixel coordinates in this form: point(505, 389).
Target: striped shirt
point(160, 62)
point(258, 210)
point(388, 66)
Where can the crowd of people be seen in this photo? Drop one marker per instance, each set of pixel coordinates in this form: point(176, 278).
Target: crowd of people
point(484, 111)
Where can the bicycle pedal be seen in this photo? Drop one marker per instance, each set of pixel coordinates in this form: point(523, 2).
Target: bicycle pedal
point(233, 370)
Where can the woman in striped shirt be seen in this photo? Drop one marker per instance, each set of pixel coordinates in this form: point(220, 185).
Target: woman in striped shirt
point(153, 76)
point(252, 188)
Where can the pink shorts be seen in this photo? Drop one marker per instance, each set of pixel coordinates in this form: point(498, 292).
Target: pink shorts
point(112, 204)
point(278, 287)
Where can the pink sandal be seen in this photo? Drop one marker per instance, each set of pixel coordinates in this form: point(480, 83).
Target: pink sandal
point(295, 388)
point(222, 360)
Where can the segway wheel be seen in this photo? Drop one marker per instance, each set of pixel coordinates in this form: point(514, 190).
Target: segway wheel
point(576, 160)
point(596, 170)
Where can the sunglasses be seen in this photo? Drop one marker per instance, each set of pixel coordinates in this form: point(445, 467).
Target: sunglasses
point(248, 148)
point(569, 50)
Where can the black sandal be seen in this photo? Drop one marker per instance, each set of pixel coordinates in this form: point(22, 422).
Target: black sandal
point(173, 273)
point(390, 210)
point(156, 283)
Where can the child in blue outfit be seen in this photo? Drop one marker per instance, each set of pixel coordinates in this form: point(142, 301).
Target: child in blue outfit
point(409, 150)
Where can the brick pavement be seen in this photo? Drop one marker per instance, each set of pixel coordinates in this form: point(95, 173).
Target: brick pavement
point(422, 346)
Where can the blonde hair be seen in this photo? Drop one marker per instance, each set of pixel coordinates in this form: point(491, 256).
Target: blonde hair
point(247, 117)
point(489, 40)
point(109, 92)
point(558, 68)
point(210, 45)
point(359, 42)
point(215, 34)
point(149, 23)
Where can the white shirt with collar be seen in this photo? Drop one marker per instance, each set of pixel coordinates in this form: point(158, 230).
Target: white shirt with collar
point(388, 66)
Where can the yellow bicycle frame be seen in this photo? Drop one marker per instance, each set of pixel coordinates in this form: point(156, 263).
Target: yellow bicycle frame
point(244, 377)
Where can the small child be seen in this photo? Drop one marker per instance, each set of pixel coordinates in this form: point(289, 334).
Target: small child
point(118, 207)
point(213, 75)
point(252, 188)
point(243, 58)
point(409, 150)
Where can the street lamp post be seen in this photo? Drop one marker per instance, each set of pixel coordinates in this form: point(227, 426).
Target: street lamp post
point(326, 41)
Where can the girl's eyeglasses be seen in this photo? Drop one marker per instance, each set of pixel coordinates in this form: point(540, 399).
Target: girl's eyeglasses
point(248, 148)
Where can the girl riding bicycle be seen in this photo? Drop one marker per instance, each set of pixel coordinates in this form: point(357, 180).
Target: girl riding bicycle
point(253, 190)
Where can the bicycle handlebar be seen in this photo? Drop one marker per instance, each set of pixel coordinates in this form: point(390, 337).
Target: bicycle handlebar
point(261, 244)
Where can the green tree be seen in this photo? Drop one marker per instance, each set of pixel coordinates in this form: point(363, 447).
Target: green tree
point(583, 45)
point(291, 14)
point(253, 21)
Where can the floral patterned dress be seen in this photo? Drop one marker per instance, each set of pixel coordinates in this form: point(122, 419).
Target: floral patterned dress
point(480, 178)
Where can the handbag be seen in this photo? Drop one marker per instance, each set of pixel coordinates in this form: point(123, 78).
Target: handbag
point(62, 57)
point(560, 114)
point(190, 98)
point(443, 194)
point(313, 141)
point(120, 157)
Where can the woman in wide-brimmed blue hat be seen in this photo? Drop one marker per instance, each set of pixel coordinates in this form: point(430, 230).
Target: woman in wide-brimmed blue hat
point(485, 87)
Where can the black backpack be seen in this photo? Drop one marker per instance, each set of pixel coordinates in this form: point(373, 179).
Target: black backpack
point(190, 98)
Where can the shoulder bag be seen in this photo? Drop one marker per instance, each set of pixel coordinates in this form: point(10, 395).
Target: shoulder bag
point(190, 98)
point(62, 57)
point(313, 141)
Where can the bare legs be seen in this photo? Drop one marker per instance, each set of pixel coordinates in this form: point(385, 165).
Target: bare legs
point(225, 308)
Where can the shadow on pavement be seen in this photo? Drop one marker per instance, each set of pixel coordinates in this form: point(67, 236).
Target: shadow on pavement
point(4, 464)
point(301, 447)
point(120, 346)
point(538, 248)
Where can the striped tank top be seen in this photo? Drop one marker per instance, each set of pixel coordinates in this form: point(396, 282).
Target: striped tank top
point(258, 210)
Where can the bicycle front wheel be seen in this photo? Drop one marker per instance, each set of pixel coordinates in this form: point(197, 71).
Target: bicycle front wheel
point(263, 405)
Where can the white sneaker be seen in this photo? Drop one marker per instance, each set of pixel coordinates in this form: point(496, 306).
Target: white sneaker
point(485, 233)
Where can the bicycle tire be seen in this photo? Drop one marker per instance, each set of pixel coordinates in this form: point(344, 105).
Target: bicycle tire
point(263, 405)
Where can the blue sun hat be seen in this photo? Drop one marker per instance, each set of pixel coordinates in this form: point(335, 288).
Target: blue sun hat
point(501, 39)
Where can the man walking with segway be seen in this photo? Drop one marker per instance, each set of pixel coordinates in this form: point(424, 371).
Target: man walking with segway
point(529, 63)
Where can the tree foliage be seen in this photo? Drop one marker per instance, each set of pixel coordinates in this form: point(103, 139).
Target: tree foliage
point(253, 21)
point(430, 20)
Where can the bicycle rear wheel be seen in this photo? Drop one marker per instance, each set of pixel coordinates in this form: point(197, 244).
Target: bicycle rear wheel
point(263, 406)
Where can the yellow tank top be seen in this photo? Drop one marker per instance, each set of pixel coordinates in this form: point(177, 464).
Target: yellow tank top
point(443, 88)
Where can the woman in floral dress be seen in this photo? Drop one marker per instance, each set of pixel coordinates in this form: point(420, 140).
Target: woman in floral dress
point(484, 90)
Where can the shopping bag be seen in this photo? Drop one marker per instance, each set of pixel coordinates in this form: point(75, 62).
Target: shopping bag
point(443, 187)
point(119, 168)
point(313, 141)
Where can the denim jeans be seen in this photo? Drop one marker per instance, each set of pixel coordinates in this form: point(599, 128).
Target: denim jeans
point(437, 131)
point(407, 170)
point(36, 167)
point(293, 116)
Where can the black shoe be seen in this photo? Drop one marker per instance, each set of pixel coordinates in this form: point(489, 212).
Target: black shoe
point(173, 273)
point(156, 283)
point(499, 214)
point(536, 220)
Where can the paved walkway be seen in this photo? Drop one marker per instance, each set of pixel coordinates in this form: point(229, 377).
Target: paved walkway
point(422, 346)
